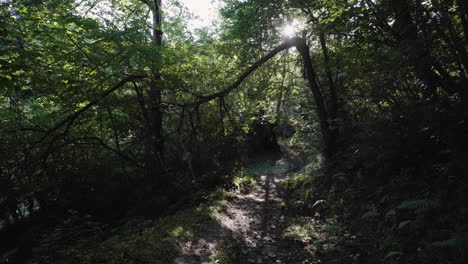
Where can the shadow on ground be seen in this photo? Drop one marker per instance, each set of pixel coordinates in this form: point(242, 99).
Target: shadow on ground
point(232, 228)
point(250, 230)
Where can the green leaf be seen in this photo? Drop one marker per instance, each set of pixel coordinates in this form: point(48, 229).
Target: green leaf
point(392, 254)
point(445, 243)
point(369, 214)
point(391, 213)
point(403, 224)
point(419, 204)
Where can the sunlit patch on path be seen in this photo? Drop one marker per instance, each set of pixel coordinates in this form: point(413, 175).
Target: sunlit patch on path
point(255, 224)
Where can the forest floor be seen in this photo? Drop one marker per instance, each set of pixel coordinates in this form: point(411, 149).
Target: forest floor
point(260, 225)
point(259, 220)
point(251, 229)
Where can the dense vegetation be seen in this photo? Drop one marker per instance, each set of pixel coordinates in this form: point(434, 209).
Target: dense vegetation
point(115, 109)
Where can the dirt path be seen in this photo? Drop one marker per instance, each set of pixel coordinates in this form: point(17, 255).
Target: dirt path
point(254, 223)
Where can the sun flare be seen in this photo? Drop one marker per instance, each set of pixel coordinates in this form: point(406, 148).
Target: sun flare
point(291, 28)
point(288, 31)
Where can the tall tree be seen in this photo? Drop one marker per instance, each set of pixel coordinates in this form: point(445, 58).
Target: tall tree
point(155, 149)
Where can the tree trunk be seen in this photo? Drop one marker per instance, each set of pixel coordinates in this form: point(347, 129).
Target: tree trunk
point(463, 13)
point(332, 102)
point(155, 146)
point(303, 48)
point(328, 139)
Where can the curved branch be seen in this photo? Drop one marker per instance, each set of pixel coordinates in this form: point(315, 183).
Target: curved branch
point(99, 98)
point(116, 151)
point(241, 78)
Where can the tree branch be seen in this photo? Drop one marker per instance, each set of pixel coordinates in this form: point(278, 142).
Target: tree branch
point(241, 78)
point(146, 2)
point(99, 98)
point(116, 151)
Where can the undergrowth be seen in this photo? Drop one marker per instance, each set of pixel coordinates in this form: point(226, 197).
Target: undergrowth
point(141, 240)
point(374, 225)
point(229, 253)
point(246, 178)
point(145, 240)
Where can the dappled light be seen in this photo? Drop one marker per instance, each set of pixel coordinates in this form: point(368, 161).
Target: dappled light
point(233, 132)
point(288, 31)
point(292, 29)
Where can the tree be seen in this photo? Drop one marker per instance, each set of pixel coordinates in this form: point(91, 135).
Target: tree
point(155, 154)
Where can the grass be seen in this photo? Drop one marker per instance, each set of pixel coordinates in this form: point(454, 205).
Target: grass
point(248, 177)
point(160, 241)
point(146, 241)
point(229, 254)
point(265, 167)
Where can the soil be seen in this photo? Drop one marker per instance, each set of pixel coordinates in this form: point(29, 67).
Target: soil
point(254, 222)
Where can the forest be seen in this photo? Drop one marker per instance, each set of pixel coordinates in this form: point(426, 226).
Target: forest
point(281, 131)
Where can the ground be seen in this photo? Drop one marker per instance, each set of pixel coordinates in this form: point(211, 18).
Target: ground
point(253, 222)
point(256, 221)
point(261, 226)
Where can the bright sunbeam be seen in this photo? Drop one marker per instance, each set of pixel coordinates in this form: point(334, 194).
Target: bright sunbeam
point(290, 29)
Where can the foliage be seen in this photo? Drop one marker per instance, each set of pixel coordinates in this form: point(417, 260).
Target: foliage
point(104, 111)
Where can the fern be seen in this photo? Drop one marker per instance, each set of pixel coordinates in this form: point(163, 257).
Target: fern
point(420, 205)
point(392, 254)
point(446, 243)
point(458, 239)
point(369, 214)
point(391, 213)
point(403, 224)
